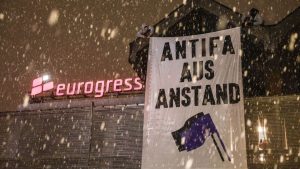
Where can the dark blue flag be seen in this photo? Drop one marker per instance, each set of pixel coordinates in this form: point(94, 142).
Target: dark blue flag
point(194, 133)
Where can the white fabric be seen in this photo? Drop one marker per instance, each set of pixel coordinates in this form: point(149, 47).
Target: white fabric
point(159, 148)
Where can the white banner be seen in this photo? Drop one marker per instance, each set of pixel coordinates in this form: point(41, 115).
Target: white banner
point(194, 112)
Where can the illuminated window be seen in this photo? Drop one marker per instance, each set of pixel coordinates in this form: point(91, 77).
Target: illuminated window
point(262, 157)
point(262, 134)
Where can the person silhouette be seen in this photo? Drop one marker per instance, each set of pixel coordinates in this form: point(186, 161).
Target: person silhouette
point(253, 19)
point(145, 32)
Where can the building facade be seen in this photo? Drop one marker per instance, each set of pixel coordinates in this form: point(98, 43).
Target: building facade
point(271, 75)
point(103, 133)
point(270, 52)
point(107, 133)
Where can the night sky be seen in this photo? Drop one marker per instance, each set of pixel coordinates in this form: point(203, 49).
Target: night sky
point(83, 40)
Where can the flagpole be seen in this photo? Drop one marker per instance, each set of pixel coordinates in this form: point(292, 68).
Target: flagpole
point(217, 147)
point(229, 159)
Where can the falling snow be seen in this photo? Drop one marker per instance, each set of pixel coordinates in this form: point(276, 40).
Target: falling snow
point(53, 17)
point(74, 41)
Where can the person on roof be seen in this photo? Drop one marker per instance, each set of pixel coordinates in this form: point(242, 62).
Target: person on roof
point(145, 32)
point(142, 38)
point(253, 19)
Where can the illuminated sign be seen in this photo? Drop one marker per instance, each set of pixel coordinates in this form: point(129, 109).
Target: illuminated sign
point(96, 88)
point(40, 85)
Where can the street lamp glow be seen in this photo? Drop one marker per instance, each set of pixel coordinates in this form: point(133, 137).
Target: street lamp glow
point(260, 129)
point(262, 157)
point(46, 77)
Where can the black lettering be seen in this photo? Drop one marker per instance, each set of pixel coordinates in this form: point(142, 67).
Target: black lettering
point(196, 94)
point(166, 52)
point(212, 45)
point(228, 45)
point(161, 99)
point(187, 100)
point(203, 47)
point(181, 49)
point(195, 70)
point(210, 74)
point(194, 41)
point(208, 96)
point(234, 93)
point(186, 73)
point(221, 94)
point(174, 97)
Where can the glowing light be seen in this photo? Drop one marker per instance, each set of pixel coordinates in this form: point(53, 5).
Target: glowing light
point(117, 85)
point(262, 134)
point(88, 87)
point(262, 158)
point(260, 129)
point(48, 86)
point(46, 77)
point(36, 90)
point(128, 84)
point(37, 82)
point(60, 88)
point(281, 159)
point(26, 100)
point(98, 88)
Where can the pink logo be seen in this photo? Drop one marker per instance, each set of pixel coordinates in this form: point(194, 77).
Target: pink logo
point(97, 88)
point(40, 85)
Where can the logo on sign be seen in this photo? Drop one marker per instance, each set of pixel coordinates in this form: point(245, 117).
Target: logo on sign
point(40, 85)
point(96, 88)
point(194, 133)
